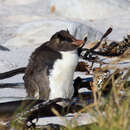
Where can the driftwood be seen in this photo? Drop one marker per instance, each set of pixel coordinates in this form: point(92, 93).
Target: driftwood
point(11, 85)
point(46, 108)
point(113, 49)
point(12, 73)
point(27, 110)
point(91, 50)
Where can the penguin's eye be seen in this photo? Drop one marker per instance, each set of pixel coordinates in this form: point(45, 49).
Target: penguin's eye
point(63, 38)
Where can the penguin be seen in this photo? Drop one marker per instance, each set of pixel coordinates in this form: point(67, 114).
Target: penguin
point(49, 73)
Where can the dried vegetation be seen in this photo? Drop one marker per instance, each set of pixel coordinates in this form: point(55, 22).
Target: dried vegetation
point(110, 91)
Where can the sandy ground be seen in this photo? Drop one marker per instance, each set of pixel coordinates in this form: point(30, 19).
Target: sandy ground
point(26, 24)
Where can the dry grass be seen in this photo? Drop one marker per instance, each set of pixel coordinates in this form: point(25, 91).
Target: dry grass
point(111, 112)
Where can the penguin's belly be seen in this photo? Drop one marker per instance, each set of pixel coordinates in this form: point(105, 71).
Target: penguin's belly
point(61, 76)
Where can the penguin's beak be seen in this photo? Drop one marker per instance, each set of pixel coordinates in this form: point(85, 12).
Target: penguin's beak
point(78, 43)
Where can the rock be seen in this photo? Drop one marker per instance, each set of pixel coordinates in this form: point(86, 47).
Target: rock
point(3, 48)
point(69, 120)
point(37, 32)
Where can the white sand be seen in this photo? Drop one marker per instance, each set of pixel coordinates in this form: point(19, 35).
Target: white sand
point(26, 24)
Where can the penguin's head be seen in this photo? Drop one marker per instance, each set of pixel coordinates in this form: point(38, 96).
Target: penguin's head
point(64, 41)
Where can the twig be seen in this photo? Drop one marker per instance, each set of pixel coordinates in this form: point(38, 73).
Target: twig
point(91, 50)
point(12, 73)
point(104, 36)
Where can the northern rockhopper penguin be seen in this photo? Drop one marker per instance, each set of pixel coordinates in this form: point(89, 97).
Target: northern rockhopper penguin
point(51, 67)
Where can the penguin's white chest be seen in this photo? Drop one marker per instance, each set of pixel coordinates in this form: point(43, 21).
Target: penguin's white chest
point(61, 76)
